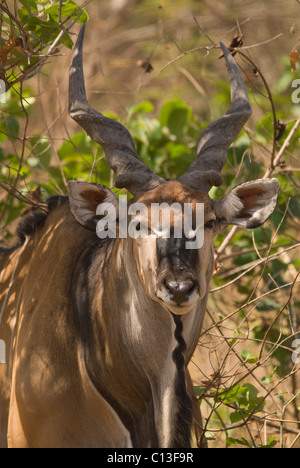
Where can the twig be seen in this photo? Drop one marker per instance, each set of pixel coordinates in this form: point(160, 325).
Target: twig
point(252, 265)
point(284, 147)
point(176, 59)
point(259, 44)
point(197, 86)
point(268, 173)
point(18, 195)
point(249, 303)
point(21, 28)
point(295, 441)
point(278, 315)
point(31, 73)
point(226, 242)
point(249, 251)
point(16, 180)
point(51, 51)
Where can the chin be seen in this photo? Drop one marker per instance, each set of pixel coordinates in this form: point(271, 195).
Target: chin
point(178, 309)
point(165, 300)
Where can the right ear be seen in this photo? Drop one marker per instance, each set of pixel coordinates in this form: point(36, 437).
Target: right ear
point(249, 205)
point(84, 200)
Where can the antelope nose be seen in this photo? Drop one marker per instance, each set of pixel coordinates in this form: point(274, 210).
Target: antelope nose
point(180, 290)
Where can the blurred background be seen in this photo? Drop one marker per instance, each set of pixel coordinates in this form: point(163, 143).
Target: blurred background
point(124, 35)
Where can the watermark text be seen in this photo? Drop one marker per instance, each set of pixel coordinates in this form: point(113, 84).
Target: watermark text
point(296, 353)
point(296, 93)
point(2, 352)
point(2, 92)
point(160, 220)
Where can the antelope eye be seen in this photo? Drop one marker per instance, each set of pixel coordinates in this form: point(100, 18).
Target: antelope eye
point(210, 224)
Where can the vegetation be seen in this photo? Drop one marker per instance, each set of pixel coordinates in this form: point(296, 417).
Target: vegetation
point(246, 366)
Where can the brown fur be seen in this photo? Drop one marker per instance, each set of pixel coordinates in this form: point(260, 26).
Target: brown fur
point(77, 376)
point(175, 192)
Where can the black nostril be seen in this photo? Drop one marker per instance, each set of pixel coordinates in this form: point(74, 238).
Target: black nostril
point(180, 289)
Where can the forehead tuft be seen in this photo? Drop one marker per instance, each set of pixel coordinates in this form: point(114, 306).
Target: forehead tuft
point(174, 192)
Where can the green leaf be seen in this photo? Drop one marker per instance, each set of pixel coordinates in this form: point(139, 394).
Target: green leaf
point(268, 380)
point(144, 106)
point(231, 441)
point(236, 416)
point(295, 206)
point(72, 10)
point(146, 131)
point(13, 127)
point(175, 115)
point(30, 5)
point(281, 396)
point(199, 390)
point(69, 10)
point(41, 152)
point(80, 144)
point(9, 129)
point(268, 304)
point(231, 395)
point(270, 444)
point(246, 400)
point(247, 356)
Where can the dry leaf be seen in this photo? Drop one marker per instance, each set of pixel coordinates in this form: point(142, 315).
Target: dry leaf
point(218, 267)
point(294, 58)
point(280, 127)
point(214, 381)
point(14, 44)
point(148, 67)
point(236, 42)
point(35, 197)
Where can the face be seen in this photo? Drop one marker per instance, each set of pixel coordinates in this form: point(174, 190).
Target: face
point(171, 272)
point(175, 264)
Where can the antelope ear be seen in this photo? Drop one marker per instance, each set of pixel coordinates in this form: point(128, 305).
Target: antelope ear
point(84, 200)
point(249, 205)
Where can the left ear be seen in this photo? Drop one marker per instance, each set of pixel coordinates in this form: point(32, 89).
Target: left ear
point(249, 205)
point(85, 198)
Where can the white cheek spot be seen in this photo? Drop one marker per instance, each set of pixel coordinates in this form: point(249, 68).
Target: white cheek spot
point(165, 295)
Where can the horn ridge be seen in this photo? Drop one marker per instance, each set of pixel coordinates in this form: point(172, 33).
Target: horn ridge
point(117, 143)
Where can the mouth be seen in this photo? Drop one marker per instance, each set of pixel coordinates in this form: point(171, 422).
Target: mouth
point(167, 300)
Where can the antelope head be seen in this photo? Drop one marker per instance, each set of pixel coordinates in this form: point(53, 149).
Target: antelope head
point(170, 273)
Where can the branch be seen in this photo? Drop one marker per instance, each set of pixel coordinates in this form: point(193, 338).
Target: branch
point(278, 315)
point(257, 69)
point(21, 28)
point(252, 266)
point(18, 195)
point(282, 149)
point(268, 173)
